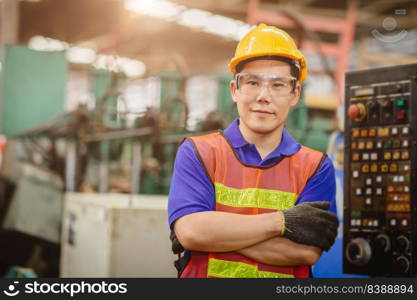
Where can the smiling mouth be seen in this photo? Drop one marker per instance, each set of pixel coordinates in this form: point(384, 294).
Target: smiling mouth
point(262, 112)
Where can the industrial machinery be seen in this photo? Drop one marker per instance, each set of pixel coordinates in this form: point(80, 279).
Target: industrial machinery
point(115, 235)
point(380, 196)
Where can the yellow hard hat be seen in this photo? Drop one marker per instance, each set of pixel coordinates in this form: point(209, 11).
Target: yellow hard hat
point(268, 41)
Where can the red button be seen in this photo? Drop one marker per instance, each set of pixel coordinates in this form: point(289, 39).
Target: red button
point(354, 112)
point(400, 115)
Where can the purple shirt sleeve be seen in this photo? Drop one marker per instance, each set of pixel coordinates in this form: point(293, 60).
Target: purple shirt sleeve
point(191, 190)
point(322, 186)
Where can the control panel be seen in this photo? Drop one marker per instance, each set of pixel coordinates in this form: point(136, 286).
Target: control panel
point(380, 200)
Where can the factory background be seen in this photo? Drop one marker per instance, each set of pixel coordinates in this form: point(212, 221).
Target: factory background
point(96, 95)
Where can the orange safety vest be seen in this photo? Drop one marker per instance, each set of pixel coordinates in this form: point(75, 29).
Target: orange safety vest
point(247, 189)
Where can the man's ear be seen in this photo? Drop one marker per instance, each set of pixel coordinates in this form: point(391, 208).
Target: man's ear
point(233, 90)
point(296, 95)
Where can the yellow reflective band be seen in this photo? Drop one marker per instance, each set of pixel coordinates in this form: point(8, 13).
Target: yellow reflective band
point(232, 269)
point(253, 197)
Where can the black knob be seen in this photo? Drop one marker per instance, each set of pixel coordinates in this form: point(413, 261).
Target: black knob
point(384, 242)
point(403, 263)
point(403, 243)
point(358, 252)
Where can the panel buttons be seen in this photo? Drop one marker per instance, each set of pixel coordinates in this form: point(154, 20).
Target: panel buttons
point(400, 116)
point(369, 145)
point(354, 145)
point(374, 168)
point(378, 179)
point(368, 181)
point(405, 130)
point(379, 144)
point(355, 156)
point(368, 191)
point(393, 222)
point(396, 144)
point(393, 168)
point(396, 155)
point(382, 132)
point(365, 168)
point(384, 168)
point(368, 201)
point(400, 103)
point(355, 174)
point(404, 144)
point(361, 145)
point(405, 155)
point(358, 191)
point(378, 191)
point(394, 131)
point(355, 133)
point(387, 144)
point(364, 132)
point(365, 156)
point(387, 155)
point(406, 189)
point(404, 222)
point(374, 156)
point(372, 132)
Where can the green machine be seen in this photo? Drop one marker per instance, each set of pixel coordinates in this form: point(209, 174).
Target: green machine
point(33, 88)
point(310, 127)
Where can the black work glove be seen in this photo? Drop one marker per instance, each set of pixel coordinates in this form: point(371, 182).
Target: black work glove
point(177, 248)
point(310, 223)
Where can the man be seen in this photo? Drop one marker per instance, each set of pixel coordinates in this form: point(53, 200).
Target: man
point(250, 201)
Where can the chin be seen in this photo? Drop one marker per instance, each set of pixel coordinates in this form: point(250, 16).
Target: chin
point(262, 128)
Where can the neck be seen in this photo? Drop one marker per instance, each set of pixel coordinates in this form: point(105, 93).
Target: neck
point(265, 143)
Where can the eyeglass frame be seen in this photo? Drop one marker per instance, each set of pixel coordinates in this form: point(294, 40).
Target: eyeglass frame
point(294, 79)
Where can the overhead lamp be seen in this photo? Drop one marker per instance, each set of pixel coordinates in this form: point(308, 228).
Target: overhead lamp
point(81, 55)
point(190, 17)
point(194, 18)
point(156, 8)
point(41, 43)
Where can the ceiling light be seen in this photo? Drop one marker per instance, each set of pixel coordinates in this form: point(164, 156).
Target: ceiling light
point(40, 43)
point(80, 55)
point(156, 8)
point(195, 18)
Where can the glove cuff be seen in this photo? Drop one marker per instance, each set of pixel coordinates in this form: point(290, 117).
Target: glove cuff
point(282, 224)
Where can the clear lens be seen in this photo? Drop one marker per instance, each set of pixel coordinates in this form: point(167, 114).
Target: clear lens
point(251, 84)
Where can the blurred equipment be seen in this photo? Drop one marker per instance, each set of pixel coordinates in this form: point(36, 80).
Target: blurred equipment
point(380, 217)
point(21, 106)
point(116, 235)
point(36, 206)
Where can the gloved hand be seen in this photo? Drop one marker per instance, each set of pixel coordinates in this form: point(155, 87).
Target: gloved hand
point(177, 248)
point(310, 223)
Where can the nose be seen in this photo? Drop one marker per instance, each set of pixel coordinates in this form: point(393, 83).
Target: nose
point(264, 94)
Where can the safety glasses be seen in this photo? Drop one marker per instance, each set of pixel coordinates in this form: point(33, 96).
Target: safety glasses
point(251, 84)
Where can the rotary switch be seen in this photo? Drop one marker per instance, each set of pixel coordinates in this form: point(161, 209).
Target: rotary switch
point(357, 112)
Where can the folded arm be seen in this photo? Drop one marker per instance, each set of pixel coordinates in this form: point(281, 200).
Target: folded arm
point(280, 251)
point(215, 231)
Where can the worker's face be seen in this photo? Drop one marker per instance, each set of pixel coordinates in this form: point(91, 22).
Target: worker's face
point(266, 111)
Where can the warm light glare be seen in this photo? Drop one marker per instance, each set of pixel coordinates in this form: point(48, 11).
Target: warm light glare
point(83, 55)
point(190, 17)
point(194, 18)
point(156, 8)
point(131, 67)
point(80, 55)
point(40, 43)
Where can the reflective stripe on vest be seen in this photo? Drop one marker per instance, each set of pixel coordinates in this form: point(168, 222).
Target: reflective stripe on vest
point(232, 269)
point(253, 197)
point(247, 189)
